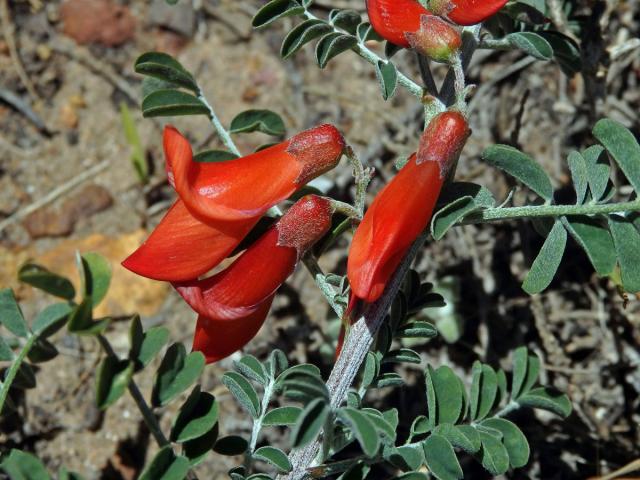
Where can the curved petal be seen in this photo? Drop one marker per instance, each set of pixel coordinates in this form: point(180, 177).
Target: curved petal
point(182, 248)
point(392, 19)
point(263, 267)
point(238, 290)
point(218, 339)
point(470, 12)
point(249, 186)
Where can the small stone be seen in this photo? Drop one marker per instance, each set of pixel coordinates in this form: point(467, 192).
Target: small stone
point(179, 18)
point(69, 116)
point(97, 21)
point(44, 52)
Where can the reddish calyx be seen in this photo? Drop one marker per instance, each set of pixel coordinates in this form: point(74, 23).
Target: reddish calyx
point(247, 187)
point(403, 208)
point(436, 39)
point(234, 303)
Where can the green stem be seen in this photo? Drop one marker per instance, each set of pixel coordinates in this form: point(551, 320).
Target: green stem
point(257, 424)
point(220, 130)
point(149, 418)
point(319, 277)
point(496, 44)
point(493, 214)
point(14, 368)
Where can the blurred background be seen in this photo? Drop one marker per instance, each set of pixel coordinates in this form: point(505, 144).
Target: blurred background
point(68, 182)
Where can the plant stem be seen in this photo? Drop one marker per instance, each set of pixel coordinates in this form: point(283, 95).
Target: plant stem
point(507, 409)
point(14, 368)
point(319, 277)
point(220, 130)
point(149, 418)
point(496, 214)
point(257, 423)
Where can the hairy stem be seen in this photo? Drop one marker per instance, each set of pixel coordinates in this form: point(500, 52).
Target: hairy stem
point(497, 214)
point(149, 418)
point(222, 132)
point(257, 424)
point(10, 376)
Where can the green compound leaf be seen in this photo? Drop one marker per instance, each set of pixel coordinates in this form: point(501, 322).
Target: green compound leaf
point(81, 320)
point(413, 476)
point(197, 416)
point(626, 239)
point(21, 465)
point(166, 68)
point(39, 277)
point(474, 393)
point(264, 121)
point(520, 166)
point(177, 372)
point(243, 392)
point(347, 19)
point(387, 75)
point(520, 362)
point(112, 379)
point(366, 33)
point(301, 35)
point(493, 456)
point(332, 45)
point(532, 44)
point(595, 239)
point(548, 260)
point(402, 355)
point(547, 399)
point(146, 345)
point(196, 450)
point(11, 315)
point(96, 277)
point(273, 456)
point(169, 103)
point(6, 354)
point(166, 466)
point(282, 416)
point(309, 422)
point(622, 146)
point(214, 156)
point(275, 10)
point(513, 439)
point(362, 428)
point(441, 459)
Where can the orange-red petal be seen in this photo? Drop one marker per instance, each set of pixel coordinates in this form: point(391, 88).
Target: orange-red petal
point(249, 186)
point(471, 12)
point(218, 339)
point(182, 248)
point(393, 19)
point(403, 208)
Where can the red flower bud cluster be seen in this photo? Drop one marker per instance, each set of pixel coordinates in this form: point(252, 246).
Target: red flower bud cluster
point(218, 205)
point(407, 23)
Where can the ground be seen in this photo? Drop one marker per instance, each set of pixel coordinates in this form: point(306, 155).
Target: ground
point(67, 184)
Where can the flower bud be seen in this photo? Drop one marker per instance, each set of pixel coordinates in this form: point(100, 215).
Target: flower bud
point(435, 39)
point(403, 208)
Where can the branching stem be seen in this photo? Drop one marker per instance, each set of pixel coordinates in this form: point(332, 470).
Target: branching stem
point(222, 132)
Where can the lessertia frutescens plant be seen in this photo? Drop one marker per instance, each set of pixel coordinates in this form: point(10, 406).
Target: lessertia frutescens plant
point(333, 429)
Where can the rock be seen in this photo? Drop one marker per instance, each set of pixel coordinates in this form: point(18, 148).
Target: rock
point(128, 293)
point(97, 21)
point(180, 17)
point(48, 222)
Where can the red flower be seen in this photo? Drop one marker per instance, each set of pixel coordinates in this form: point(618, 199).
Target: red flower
point(248, 186)
point(221, 202)
point(470, 12)
point(403, 208)
point(233, 304)
point(392, 19)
